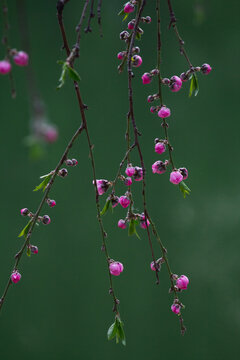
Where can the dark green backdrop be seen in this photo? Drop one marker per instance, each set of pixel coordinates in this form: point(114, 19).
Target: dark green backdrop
point(61, 308)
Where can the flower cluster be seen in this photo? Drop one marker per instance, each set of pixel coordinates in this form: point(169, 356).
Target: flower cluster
point(45, 219)
point(20, 58)
point(136, 59)
point(181, 284)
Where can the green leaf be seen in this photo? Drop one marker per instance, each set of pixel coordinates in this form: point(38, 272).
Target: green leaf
point(138, 36)
point(121, 13)
point(120, 331)
point(63, 75)
point(106, 207)
point(194, 87)
point(125, 17)
point(132, 229)
point(44, 183)
point(112, 331)
point(25, 230)
point(184, 189)
point(28, 252)
point(116, 331)
point(73, 74)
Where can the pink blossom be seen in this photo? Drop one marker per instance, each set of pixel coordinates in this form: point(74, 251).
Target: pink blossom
point(124, 201)
point(143, 222)
point(138, 174)
point(146, 78)
point(5, 67)
point(116, 268)
point(184, 173)
point(51, 134)
point(16, 277)
point(175, 308)
point(136, 60)
point(21, 58)
point(206, 69)
point(130, 170)
point(182, 282)
point(160, 148)
point(128, 8)
point(122, 224)
point(24, 212)
point(176, 177)
point(128, 181)
point(158, 167)
point(164, 112)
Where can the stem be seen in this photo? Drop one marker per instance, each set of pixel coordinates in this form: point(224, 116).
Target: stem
point(165, 125)
point(82, 109)
point(172, 23)
point(91, 15)
point(5, 41)
point(99, 16)
point(135, 129)
point(35, 217)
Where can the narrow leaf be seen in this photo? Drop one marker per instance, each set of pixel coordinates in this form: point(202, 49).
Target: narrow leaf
point(121, 13)
point(138, 36)
point(125, 17)
point(73, 74)
point(194, 87)
point(121, 331)
point(28, 252)
point(44, 183)
point(112, 331)
point(132, 229)
point(184, 189)
point(63, 76)
point(24, 231)
point(105, 208)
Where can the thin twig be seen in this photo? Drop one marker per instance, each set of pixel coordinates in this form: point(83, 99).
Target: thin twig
point(99, 7)
point(35, 217)
point(5, 41)
point(82, 109)
point(135, 129)
point(172, 23)
point(91, 15)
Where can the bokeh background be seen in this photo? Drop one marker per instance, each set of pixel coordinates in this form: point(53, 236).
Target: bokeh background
point(61, 308)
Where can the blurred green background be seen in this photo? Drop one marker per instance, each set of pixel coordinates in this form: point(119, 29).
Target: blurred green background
point(61, 308)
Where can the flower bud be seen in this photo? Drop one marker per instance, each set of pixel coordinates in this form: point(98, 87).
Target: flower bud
point(136, 60)
point(115, 268)
point(124, 35)
point(124, 201)
point(5, 67)
point(16, 277)
point(46, 220)
point(138, 174)
point(164, 112)
point(206, 69)
point(128, 8)
point(160, 148)
point(68, 162)
point(184, 173)
point(176, 177)
point(24, 212)
point(122, 224)
point(146, 78)
point(34, 249)
point(21, 58)
point(63, 172)
point(182, 282)
point(128, 181)
point(158, 167)
point(176, 308)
